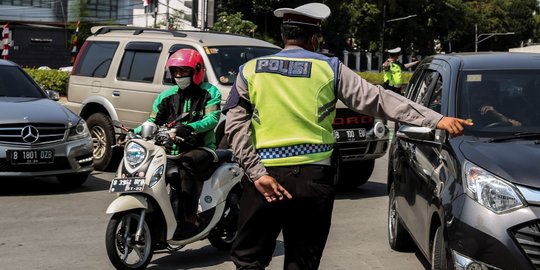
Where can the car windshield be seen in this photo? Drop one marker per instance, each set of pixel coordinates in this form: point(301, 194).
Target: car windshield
point(227, 59)
point(500, 103)
point(14, 83)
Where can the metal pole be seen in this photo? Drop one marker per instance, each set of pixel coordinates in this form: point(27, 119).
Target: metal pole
point(167, 17)
point(203, 15)
point(381, 51)
point(475, 37)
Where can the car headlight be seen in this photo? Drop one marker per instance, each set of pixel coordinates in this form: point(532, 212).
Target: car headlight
point(78, 131)
point(135, 154)
point(491, 191)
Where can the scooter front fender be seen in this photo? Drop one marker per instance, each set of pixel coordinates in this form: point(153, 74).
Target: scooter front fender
point(127, 202)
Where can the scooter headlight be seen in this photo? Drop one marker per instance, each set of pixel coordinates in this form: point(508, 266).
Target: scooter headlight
point(491, 191)
point(135, 154)
point(156, 175)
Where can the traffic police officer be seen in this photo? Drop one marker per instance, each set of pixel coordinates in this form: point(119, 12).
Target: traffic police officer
point(393, 78)
point(279, 124)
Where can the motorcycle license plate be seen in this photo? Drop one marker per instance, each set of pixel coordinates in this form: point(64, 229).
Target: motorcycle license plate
point(18, 157)
point(127, 185)
point(350, 135)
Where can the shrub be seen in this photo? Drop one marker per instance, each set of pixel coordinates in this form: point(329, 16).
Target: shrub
point(377, 77)
point(50, 79)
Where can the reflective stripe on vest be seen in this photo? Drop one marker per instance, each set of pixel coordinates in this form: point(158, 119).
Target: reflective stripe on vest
point(294, 150)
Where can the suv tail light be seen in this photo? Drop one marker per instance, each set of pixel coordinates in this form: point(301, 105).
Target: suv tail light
point(81, 51)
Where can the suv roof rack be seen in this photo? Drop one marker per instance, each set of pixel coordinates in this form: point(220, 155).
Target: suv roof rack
point(99, 30)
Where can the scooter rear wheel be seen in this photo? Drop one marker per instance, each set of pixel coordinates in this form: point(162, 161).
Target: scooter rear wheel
point(123, 250)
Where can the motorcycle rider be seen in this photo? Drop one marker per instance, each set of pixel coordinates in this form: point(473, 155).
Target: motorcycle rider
point(202, 100)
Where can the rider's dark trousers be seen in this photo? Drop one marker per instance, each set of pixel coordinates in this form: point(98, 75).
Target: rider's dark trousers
point(304, 220)
point(194, 167)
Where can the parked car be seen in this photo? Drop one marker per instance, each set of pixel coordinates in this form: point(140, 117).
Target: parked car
point(38, 136)
point(120, 70)
point(473, 201)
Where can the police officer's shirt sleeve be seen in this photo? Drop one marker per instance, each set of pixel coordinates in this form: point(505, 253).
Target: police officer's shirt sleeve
point(238, 129)
point(364, 97)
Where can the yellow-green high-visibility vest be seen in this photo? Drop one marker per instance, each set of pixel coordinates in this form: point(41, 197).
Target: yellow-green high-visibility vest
point(293, 98)
point(393, 75)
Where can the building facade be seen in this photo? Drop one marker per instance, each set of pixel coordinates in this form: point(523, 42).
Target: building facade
point(39, 34)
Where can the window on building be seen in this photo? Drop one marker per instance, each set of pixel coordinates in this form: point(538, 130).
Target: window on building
point(103, 9)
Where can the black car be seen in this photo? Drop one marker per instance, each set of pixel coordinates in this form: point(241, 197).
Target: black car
point(472, 201)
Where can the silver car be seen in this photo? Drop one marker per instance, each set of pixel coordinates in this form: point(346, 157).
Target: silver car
point(38, 136)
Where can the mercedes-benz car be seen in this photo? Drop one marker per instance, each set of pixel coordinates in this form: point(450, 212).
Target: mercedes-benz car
point(472, 201)
point(39, 136)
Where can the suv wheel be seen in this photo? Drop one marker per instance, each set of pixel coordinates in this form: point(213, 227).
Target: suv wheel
point(353, 174)
point(102, 132)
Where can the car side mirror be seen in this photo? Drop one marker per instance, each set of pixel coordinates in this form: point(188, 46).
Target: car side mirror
point(422, 134)
point(53, 95)
point(415, 133)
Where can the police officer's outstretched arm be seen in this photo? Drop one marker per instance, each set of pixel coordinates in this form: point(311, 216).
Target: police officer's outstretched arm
point(238, 131)
point(364, 97)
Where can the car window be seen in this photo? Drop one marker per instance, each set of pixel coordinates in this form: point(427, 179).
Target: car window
point(421, 89)
point(15, 83)
point(226, 60)
point(412, 83)
point(96, 59)
point(500, 101)
point(436, 97)
point(139, 62)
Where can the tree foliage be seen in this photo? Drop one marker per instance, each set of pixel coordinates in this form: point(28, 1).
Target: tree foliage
point(233, 23)
point(452, 22)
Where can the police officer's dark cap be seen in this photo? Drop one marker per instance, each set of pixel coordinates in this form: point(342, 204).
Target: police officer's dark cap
point(309, 14)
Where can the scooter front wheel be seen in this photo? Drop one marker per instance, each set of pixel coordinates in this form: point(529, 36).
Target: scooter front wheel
point(124, 250)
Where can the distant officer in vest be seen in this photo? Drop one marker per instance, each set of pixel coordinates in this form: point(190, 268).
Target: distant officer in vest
point(393, 78)
point(279, 117)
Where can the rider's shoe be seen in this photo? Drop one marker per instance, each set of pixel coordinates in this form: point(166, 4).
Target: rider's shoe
point(185, 230)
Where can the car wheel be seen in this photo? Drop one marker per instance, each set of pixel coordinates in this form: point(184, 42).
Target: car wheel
point(438, 253)
point(72, 180)
point(398, 237)
point(102, 132)
point(353, 174)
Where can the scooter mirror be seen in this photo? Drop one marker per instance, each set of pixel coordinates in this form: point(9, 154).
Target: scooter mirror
point(148, 129)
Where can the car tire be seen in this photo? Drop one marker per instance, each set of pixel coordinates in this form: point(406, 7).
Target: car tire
point(352, 174)
point(438, 253)
point(398, 237)
point(72, 179)
point(102, 132)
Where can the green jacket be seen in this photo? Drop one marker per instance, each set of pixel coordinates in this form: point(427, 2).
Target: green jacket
point(202, 102)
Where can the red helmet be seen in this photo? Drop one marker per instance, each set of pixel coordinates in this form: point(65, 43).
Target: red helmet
point(188, 58)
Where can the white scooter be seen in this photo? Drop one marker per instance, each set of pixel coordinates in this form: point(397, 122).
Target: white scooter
point(143, 219)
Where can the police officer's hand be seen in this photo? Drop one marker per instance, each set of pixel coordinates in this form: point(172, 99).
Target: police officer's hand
point(271, 189)
point(454, 126)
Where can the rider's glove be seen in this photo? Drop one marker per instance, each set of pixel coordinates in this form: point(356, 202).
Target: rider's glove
point(184, 131)
point(168, 146)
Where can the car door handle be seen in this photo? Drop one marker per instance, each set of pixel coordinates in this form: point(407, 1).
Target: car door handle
point(116, 93)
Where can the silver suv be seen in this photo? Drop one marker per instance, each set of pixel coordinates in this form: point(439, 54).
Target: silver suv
point(38, 136)
point(120, 71)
